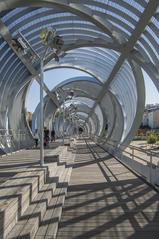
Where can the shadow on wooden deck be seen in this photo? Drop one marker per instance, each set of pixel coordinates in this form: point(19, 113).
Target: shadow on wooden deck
point(122, 206)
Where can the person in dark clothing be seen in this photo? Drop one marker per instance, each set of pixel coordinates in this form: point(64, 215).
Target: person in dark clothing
point(46, 136)
point(53, 135)
point(80, 130)
point(36, 138)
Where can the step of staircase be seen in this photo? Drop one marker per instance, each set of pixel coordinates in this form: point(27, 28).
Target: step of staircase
point(28, 223)
point(49, 224)
point(39, 195)
point(64, 158)
point(15, 196)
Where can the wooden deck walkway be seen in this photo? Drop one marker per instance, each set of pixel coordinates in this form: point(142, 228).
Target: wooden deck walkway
point(106, 200)
point(18, 161)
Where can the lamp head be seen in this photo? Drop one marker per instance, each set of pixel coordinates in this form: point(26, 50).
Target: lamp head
point(50, 38)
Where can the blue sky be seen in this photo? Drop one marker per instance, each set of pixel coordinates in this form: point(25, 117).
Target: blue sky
point(53, 77)
point(152, 95)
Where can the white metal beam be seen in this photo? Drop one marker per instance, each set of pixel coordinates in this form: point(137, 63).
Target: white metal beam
point(144, 20)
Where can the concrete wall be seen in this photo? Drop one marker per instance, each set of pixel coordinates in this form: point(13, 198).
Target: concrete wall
point(145, 120)
point(151, 119)
point(156, 119)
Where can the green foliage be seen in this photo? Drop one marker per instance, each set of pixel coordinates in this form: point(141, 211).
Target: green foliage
point(137, 138)
point(58, 113)
point(152, 137)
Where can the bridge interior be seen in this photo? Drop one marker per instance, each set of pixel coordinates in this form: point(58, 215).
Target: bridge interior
point(112, 193)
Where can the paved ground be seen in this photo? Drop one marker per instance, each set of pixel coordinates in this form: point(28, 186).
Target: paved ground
point(144, 145)
point(144, 155)
point(106, 200)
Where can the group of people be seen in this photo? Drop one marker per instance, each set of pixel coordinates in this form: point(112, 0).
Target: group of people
point(47, 137)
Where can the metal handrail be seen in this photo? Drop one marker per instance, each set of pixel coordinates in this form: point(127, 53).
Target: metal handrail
point(149, 153)
point(13, 139)
point(137, 149)
point(149, 162)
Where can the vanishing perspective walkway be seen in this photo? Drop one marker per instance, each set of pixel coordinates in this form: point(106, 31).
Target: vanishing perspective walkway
point(99, 53)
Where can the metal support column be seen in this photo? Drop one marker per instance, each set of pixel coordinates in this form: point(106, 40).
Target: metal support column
point(150, 172)
point(41, 114)
point(63, 140)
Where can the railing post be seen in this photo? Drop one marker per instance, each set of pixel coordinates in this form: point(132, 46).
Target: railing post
point(19, 137)
point(150, 175)
point(132, 153)
point(63, 129)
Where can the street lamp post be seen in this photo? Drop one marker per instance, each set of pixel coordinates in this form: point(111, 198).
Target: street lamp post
point(41, 113)
point(64, 96)
point(63, 136)
point(42, 107)
point(54, 42)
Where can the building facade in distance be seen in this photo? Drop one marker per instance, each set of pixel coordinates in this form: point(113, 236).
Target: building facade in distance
point(151, 116)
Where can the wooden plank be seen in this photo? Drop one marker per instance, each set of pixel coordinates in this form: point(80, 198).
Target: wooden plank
point(106, 200)
point(52, 216)
point(29, 222)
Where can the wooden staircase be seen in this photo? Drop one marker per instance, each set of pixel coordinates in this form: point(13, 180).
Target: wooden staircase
point(31, 201)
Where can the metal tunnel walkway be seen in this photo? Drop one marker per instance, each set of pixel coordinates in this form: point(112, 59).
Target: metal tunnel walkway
point(106, 200)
